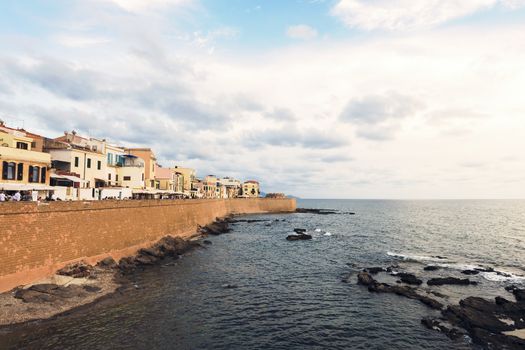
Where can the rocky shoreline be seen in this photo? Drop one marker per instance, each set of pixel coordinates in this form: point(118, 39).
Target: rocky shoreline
point(492, 324)
point(79, 285)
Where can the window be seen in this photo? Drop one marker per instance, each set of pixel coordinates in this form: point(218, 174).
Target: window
point(20, 172)
point(43, 175)
point(99, 164)
point(33, 144)
point(109, 177)
point(116, 177)
point(127, 178)
point(142, 176)
point(34, 173)
point(8, 170)
point(89, 162)
point(76, 162)
point(21, 145)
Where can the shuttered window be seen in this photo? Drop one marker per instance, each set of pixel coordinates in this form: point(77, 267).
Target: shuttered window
point(43, 175)
point(20, 172)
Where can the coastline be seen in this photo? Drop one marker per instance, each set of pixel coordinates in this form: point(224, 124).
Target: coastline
point(106, 280)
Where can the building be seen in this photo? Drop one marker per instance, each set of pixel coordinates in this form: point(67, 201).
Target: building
point(78, 157)
point(231, 187)
point(188, 178)
point(210, 187)
point(251, 188)
point(130, 172)
point(197, 188)
point(114, 160)
point(164, 178)
point(149, 165)
point(21, 167)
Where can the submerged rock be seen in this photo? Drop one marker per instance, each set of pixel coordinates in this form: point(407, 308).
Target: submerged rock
point(364, 278)
point(409, 278)
point(316, 211)
point(374, 270)
point(449, 280)
point(300, 237)
point(431, 268)
point(470, 272)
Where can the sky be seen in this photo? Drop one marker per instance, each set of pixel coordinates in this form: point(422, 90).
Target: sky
point(314, 98)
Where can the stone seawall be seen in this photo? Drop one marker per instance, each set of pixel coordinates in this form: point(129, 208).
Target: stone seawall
point(37, 239)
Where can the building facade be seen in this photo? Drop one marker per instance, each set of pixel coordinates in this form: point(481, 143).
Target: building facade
point(251, 188)
point(20, 166)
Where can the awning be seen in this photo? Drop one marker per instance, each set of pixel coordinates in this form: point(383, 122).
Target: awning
point(25, 187)
point(67, 177)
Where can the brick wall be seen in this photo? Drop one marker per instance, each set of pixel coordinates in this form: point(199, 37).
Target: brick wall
point(36, 240)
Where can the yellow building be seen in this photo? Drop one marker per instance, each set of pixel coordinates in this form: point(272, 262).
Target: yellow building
point(250, 188)
point(188, 178)
point(19, 164)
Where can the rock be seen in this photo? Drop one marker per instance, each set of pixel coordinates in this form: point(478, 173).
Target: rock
point(206, 242)
point(32, 296)
point(43, 288)
point(145, 259)
point(449, 280)
point(365, 279)
point(127, 264)
point(229, 286)
point(216, 228)
point(443, 327)
point(108, 262)
point(374, 270)
point(484, 269)
point(316, 211)
point(431, 268)
point(91, 289)
point(470, 272)
point(303, 236)
point(519, 294)
point(501, 301)
point(72, 291)
point(299, 230)
point(77, 270)
point(409, 278)
point(440, 257)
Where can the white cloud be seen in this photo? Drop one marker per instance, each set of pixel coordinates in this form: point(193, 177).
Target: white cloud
point(301, 31)
point(141, 5)
point(77, 41)
point(410, 14)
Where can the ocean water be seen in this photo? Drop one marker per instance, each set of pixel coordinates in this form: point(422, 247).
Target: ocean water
point(290, 295)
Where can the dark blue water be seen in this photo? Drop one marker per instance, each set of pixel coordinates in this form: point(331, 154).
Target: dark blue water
point(289, 295)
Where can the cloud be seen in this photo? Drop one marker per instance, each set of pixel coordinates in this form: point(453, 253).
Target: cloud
point(373, 109)
point(77, 41)
point(410, 14)
point(281, 114)
point(137, 6)
point(290, 136)
point(301, 31)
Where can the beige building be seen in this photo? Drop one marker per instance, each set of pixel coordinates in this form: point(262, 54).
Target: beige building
point(76, 156)
point(251, 188)
point(210, 187)
point(21, 167)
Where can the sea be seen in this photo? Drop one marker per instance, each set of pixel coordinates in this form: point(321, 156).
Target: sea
point(253, 289)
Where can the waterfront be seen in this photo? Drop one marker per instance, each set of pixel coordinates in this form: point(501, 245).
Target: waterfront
point(289, 295)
